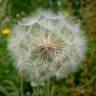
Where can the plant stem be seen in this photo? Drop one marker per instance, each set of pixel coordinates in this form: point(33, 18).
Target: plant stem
point(48, 87)
point(21, 83)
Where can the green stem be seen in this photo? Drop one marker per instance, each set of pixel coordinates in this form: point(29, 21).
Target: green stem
point(48, 87)
point(21, 83)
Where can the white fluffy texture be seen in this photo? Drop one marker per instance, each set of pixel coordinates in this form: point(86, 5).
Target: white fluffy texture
point(65, 47)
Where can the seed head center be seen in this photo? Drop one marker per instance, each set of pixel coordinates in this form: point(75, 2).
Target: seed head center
point(47, 46)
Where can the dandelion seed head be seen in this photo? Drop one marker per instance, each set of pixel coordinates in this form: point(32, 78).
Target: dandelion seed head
point(48, 45)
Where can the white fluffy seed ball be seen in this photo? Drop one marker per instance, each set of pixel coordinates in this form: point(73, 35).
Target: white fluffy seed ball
point(47, 45)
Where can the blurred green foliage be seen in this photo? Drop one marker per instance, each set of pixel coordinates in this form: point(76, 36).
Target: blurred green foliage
point(21, 7)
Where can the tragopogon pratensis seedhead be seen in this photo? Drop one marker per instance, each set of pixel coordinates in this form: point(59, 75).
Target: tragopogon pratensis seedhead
point(47, 45)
